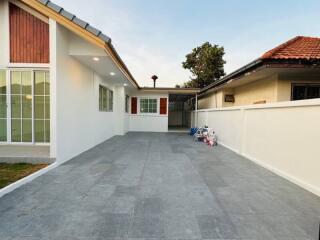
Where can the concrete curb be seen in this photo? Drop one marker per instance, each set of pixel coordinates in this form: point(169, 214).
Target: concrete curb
point(26, 179)
point(33, 160)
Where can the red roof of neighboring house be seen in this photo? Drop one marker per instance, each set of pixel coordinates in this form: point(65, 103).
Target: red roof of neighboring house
point(306, 48)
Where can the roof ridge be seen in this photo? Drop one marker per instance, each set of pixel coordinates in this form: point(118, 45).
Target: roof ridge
point(271, 52)
point(310, 37)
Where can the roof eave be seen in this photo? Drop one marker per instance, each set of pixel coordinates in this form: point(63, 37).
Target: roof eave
point(258, 63)
point(83, 29)
point(252, 65)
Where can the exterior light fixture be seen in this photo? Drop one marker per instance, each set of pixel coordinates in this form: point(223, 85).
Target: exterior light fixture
point(125, 84)
point(112, 74)
point(96, 59)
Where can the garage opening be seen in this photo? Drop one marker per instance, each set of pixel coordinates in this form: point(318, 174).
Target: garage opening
point(180, 107)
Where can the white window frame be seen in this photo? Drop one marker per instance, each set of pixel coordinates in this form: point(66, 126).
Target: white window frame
point(148, 97)
point(8, 81)
point(108, 103)
point(8, 101)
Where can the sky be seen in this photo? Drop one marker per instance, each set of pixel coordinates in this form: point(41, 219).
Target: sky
point(154, 36)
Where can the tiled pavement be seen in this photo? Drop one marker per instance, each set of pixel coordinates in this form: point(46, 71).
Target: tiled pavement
point(159, 186)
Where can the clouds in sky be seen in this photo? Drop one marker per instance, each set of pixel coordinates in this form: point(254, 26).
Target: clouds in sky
point(153, 36)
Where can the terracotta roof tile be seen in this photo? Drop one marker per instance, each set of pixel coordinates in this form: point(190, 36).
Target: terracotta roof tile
point(306, 48)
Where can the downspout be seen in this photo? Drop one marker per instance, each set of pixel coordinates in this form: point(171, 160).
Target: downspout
point(191, 114)
point(196, 109)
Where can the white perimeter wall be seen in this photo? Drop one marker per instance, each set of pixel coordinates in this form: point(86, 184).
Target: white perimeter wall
point(142, 122)
point(77, 124)
point(282, 137)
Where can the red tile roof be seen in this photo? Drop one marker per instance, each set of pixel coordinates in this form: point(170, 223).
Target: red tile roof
point(305, 48)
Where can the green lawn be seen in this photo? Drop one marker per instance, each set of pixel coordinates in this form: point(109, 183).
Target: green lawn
point(10, 173)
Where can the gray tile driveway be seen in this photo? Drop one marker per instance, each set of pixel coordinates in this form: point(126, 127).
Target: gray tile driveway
point(152, 186)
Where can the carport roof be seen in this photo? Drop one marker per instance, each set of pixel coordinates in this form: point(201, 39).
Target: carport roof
point(172, 90)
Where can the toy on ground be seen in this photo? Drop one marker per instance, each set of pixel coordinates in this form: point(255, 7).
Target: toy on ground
point(206, 135)
point(211, 138)
point(201, 133)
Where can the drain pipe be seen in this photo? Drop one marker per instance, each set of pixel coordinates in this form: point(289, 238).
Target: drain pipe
point(196, 109)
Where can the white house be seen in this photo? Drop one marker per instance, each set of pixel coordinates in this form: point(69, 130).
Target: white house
point(64, 88)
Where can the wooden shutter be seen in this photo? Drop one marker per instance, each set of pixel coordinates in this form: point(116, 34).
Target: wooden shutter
point(163, 106)
point(133, 105)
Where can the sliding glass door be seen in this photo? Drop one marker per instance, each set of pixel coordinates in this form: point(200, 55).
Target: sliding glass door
point(25, 106)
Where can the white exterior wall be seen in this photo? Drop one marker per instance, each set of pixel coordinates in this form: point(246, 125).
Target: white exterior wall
point(282, 137)
point(144, 122)
point(77, 123)
point(4, 33)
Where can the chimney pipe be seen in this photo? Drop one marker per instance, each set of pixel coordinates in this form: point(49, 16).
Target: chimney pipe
point(154, 78)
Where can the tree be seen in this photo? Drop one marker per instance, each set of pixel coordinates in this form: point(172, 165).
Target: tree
point(206, 65)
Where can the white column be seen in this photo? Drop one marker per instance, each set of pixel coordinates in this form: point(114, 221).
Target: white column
point(53, 87)
point(242, 135)
point(119, 109)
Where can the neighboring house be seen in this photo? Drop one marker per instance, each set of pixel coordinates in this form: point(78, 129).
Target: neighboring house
point(290, 71)
point(63, 85)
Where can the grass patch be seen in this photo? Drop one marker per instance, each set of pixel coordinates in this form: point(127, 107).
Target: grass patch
point(12, 172)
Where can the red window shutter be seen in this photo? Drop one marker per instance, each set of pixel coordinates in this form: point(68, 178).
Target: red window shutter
point(133, 105)
point(163, 106)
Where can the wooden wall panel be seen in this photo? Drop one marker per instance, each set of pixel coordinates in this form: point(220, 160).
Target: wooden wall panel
point(29, 37)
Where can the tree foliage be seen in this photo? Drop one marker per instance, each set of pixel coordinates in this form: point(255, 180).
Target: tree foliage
point(206, 65)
